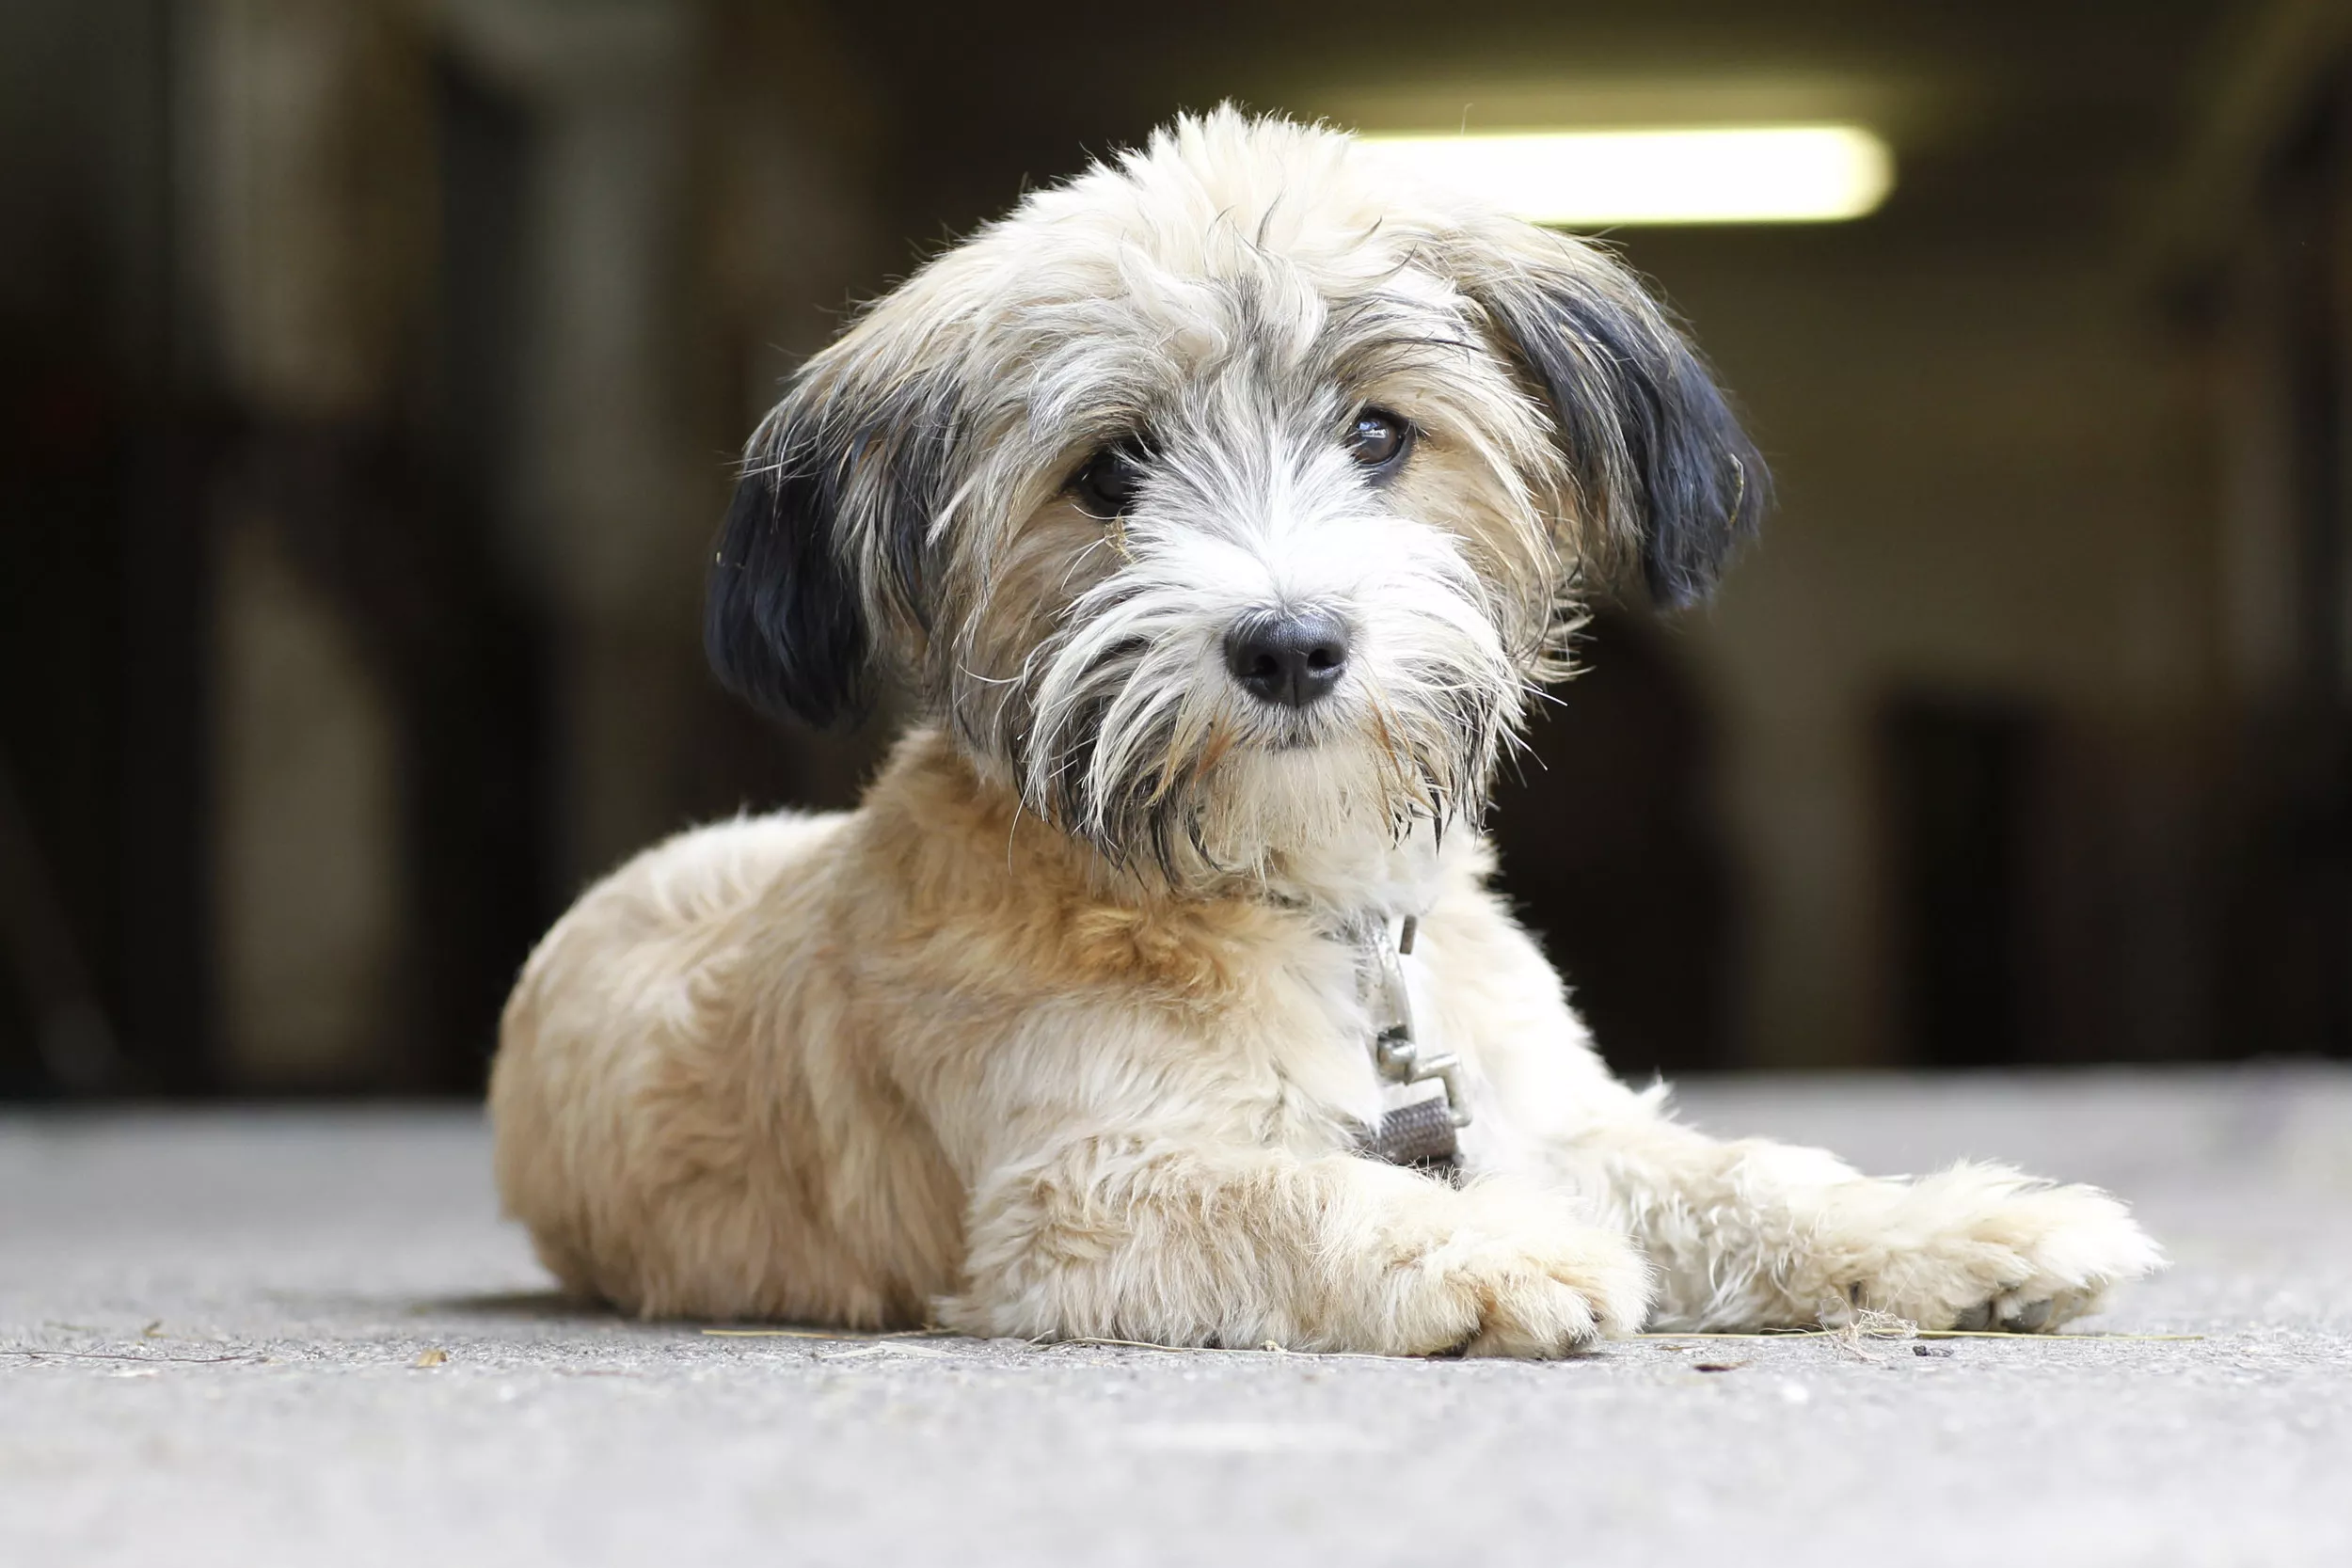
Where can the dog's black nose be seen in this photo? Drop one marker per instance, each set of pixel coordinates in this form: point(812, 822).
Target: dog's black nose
point(1293, 658)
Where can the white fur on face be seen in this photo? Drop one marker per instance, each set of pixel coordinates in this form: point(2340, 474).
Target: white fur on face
point(1139, 736)
point(1089, 658)
point(1228, 301)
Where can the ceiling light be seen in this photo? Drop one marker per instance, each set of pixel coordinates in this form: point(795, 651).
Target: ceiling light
point(1719, 174)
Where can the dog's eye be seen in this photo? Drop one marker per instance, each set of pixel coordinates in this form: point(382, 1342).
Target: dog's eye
point(1106, 486)
point(1380, 439)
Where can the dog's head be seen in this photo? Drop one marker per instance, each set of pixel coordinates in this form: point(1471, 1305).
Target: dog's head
point(1227, 494)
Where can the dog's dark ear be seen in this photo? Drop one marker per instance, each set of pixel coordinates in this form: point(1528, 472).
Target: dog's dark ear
point(822, 567)
point(784, 624)
point(1657, 458)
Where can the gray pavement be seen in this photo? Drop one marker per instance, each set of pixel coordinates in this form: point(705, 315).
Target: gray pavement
point(212, 1325)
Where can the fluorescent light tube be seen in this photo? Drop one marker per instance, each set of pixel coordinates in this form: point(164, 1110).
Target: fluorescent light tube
point(1595, 179)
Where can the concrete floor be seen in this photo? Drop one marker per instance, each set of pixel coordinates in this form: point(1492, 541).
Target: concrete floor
point(304, 1337)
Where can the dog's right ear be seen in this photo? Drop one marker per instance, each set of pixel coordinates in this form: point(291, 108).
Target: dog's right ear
point(825, 555)
point(783, 622)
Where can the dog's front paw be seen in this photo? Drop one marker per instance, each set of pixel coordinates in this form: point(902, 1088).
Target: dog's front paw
point(1975, 1246)
point(1513, 1275)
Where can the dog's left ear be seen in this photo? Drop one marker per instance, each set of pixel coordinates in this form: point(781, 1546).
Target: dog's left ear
point(1657, 459)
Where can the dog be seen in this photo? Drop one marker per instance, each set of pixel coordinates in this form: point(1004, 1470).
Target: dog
point(1219, 512)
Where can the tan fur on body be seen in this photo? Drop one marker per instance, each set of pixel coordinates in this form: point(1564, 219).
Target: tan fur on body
point(846, 1037)
point(1065, 1030)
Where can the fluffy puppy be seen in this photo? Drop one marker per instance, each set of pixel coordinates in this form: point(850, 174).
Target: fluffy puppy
point(1218, 511)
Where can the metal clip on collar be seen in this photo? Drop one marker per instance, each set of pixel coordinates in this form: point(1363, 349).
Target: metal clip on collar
point(1423, 1132)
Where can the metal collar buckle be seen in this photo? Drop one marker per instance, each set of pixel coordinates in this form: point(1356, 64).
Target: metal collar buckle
point(1423, 1132)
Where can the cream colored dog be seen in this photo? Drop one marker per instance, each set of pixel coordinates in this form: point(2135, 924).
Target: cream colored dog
point(1220, 510)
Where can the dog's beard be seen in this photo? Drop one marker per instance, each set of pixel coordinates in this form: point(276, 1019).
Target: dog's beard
point(1139, 741)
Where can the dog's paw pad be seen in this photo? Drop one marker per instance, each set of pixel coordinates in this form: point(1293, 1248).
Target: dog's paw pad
point(2021, 1317)
point(2029, 1319)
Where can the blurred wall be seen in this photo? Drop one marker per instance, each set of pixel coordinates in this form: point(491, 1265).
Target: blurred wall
point(1990, 500)
point(498, 286)
point(375, 368)
point(102, 816)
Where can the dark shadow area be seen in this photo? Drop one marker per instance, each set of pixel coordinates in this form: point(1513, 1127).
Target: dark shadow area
point(554, 1307)
point(1960, 780)
point(1611, 856)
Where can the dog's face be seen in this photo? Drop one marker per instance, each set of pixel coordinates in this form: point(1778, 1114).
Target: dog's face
point(1226, 497)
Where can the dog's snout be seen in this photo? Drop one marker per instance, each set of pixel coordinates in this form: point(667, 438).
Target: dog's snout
point(1291, 659)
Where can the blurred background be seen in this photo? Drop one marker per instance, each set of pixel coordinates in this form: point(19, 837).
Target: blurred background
point(370, 372)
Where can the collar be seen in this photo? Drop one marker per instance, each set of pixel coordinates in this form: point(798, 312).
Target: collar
point(1421, 1133)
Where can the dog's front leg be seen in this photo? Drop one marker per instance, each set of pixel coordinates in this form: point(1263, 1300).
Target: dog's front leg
point(1131, 1237)
point(1754, 1234)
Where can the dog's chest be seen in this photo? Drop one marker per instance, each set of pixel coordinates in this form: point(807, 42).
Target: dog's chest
point(1367, 996)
